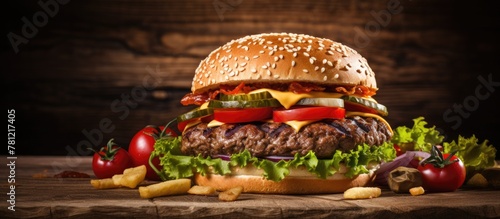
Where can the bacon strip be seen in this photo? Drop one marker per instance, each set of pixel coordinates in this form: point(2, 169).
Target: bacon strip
point(296, 87)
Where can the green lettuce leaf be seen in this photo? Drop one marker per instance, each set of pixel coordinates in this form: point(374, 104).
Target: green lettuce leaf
point(175, 165)
point(421, 138)
point(474, 156)
point(417, 138)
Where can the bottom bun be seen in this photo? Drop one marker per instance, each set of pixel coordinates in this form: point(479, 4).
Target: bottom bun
point(337, 183)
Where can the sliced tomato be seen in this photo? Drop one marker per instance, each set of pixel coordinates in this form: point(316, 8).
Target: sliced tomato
point(356, 107)
point(239, 115)
point(308, 113)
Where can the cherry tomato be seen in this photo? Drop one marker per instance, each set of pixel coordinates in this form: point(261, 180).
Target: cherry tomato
point(398, 150)
point(308, 113)
point(443, 179)
point(141, 146)
point(110, 160)
point(243, 115)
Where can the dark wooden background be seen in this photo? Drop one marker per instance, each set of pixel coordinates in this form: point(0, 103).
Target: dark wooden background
point(79, 68)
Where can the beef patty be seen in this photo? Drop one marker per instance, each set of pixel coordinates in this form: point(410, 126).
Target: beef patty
point(279, 139)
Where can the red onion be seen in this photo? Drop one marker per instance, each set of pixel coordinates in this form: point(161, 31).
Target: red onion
point(402, 160)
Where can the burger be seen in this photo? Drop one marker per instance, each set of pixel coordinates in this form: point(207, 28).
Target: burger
point(280, 113)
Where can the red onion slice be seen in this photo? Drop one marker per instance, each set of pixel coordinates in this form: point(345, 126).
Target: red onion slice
point(223, 157)
point(271, 158)
point(402, 160)
point(278, 158)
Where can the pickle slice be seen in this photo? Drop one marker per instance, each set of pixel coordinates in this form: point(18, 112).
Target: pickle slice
point(271, 102)
point(196, 113)
point(379, 108)
point(252, 96)
point(333, 102)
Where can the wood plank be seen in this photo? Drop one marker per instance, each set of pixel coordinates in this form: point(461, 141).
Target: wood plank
point(75, 198)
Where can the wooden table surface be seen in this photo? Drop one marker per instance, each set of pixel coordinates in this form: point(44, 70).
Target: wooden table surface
point(75, 198)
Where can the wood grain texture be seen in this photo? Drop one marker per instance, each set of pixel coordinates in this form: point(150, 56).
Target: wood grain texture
point(427, 58)
point(75, 198)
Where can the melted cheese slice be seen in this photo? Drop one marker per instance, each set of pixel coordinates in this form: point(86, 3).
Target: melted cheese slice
point(297, 125)
point(214, 123)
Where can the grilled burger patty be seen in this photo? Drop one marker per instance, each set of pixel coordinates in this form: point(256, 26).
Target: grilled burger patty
point(278, 139)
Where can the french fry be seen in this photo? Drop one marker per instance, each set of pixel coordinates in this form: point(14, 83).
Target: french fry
point(107, 183)
point(231, 194)
point(171, 187)
point(133, 176)
point(201, 190)
point(362, 193)
point(117, 179)
point(417, 191)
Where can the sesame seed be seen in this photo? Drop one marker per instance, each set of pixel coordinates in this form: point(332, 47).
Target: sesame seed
point(230, 56)
point(311, 60)
point(323, 69)
point(264, 66)
point(325, 78)
point(294, 54)
point(330, 52)
point(274, 65)
point(305, 70)
point(246, 58)
point(276, 76)
point(241, 69)
point(336, 76)
point(281, 56)
point(261, 52)
point(245, 48)
point(227, 78)
point(316, 68)
point(213, 81)
point(293, 63)
point(276, 58)
point(271, 53)
point(324, 61)
point(221, 72)
point(268, 72)
point(236, 65)
point(306, 54)
point(330, 63)
point(243, 64)
point(309, 41)
point(253, 70)
point(256, 56)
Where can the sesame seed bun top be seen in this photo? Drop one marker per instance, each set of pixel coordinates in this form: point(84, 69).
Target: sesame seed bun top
point(283, 58)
